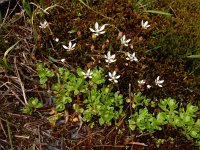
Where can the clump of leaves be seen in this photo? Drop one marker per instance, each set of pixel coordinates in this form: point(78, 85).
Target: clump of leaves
point(171, 114)
point(97, 98)
point(33, 104)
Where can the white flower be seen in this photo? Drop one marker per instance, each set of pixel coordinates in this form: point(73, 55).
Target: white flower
point(98, 30)
point(124, 41)
point(70, 47)
point(148, 86)
point(62, 60)
point(159, 82)
point(44, 25)
point(113, 77)
point(109, 58)
point(141, 82)
point(132, 57)
point(145, 24)
point(88, 74)
point(56, 39)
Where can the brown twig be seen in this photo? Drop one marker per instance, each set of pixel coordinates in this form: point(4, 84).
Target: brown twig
point(3, 128)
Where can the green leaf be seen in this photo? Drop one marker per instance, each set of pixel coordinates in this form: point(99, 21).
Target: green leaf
point(27, 110)
point(132, 124)
point(191, 109)
point(27, 8)
point(60, 107)
point(79, 72)
point(194, 133)
point(65, 100)
point(72, 31)
point(193, 56)
point(161, 118)
point(52, 59)
point(34, 103)
point(101, 121)
point(158, 12)
point(172, 104)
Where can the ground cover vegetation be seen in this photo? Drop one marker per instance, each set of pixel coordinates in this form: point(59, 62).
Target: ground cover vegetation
point(100, 74)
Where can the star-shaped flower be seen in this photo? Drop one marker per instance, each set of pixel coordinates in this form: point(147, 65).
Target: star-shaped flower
point(124, 41)
point(88, 74)
point(98, 30)
point(113, 77)
point(44, 25)
point(132, 57)
point(141, 82)
point(70, 47)
point(159, 82)
point(145, 24)
point(109, 58)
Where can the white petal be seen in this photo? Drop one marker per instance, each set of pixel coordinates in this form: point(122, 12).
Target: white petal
point(112, 60)
point(148, 86)
point(105, 56)
point(110, 75)
point(96, 26)
point(115, 81)
point(160, 81)
point(127, 41)
point(83, 73)
point(102, 27)
point(146, 23)
point(142, 23)
point(117, 77)
point(65, 47)
point(108, 54)
point(74, 45)
point(114, 73)
point(92, 30)
point(88, 71)
point(123, 38)
point(62, 60)
point(157, 79)
point(102, 32)
point(112, 56)
point(70, 44)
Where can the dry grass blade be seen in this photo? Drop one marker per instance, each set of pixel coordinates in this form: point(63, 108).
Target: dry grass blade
point(9, 135)
point(94, 10)
point(7, 51)
point(21, 84)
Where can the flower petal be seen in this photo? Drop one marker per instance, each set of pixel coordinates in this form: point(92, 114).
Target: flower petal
point(96, 26)
point(102, 32)
point(114, 73)
point(92, 30)
point(127, 41)
point(102, 27)
point(115, 81)
point(65, 47)
point(110, 74)
point(74, 45)
point(70, 44)
point(117, 77)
